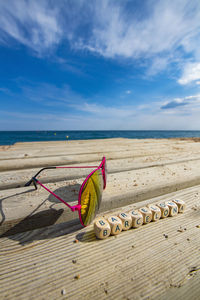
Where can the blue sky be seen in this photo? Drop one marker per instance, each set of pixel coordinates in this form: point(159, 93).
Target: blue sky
point(75, 64)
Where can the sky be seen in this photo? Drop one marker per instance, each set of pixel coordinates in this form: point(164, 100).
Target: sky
point(100, 65)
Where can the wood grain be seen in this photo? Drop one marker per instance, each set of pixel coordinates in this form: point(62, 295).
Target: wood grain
point(45, 251)
point(40, 263)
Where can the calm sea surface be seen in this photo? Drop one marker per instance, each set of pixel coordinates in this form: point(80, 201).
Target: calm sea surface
point(11, 137)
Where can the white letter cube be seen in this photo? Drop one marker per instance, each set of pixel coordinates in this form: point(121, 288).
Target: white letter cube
point(115, 225)
point(126, 220)
point(101, 228)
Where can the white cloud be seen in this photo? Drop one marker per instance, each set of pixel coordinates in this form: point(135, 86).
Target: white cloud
point(166, 26)
point(34, 24)
point(128, 92)
point(109, 28)
point(160, 63)
point(191, 72)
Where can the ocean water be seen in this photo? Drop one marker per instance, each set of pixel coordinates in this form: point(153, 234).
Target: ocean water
point(11, 137)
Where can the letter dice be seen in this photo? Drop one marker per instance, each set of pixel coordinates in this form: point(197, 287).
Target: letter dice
point(115, 225)
point(102, 228)
point(126, 220)
point(181, 205)
point(173, 208)
point(147, 214)
point(137, 218)
point(164, 209)
point(155, 210)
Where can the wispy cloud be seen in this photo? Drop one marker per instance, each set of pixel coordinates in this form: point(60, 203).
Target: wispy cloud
point(46, 94)
point(5, 91)
point(131, 118)
point(102, 111)
point(191, 73)
point(31, 23)
point(65, 100)
point(166, 26)
point(39, 121)
point(109, 28)
point(155, 35)
point(182, 113)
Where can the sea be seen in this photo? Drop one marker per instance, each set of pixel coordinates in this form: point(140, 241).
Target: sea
point(11, 137)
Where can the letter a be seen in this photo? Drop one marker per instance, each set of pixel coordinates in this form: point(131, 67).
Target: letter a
point(117, 228)
point(101, 222)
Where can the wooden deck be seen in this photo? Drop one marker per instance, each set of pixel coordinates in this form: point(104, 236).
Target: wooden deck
point(44, 252)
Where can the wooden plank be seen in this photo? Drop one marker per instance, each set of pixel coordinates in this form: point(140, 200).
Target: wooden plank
point(21, 208)
point(188, 289)
point(27, 163)
point(77, 147)
point(138, 264)
point(18, 178)
point(52, 149)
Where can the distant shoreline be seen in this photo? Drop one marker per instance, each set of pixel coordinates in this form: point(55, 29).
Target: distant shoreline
point(12, 137)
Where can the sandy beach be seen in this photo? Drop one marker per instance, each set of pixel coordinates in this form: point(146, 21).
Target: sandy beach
point(33, 223)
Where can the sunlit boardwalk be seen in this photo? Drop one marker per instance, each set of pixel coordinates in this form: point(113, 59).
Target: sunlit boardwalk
point(46, 254)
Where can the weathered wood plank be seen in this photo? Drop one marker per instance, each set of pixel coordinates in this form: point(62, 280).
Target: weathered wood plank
point(17, 178)
point(40, 149)
point(138, 264)
point(52, 149)
point(123, 188)
point(27, 163)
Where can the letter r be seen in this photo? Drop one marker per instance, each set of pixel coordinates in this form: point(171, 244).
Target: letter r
point(126, 223)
